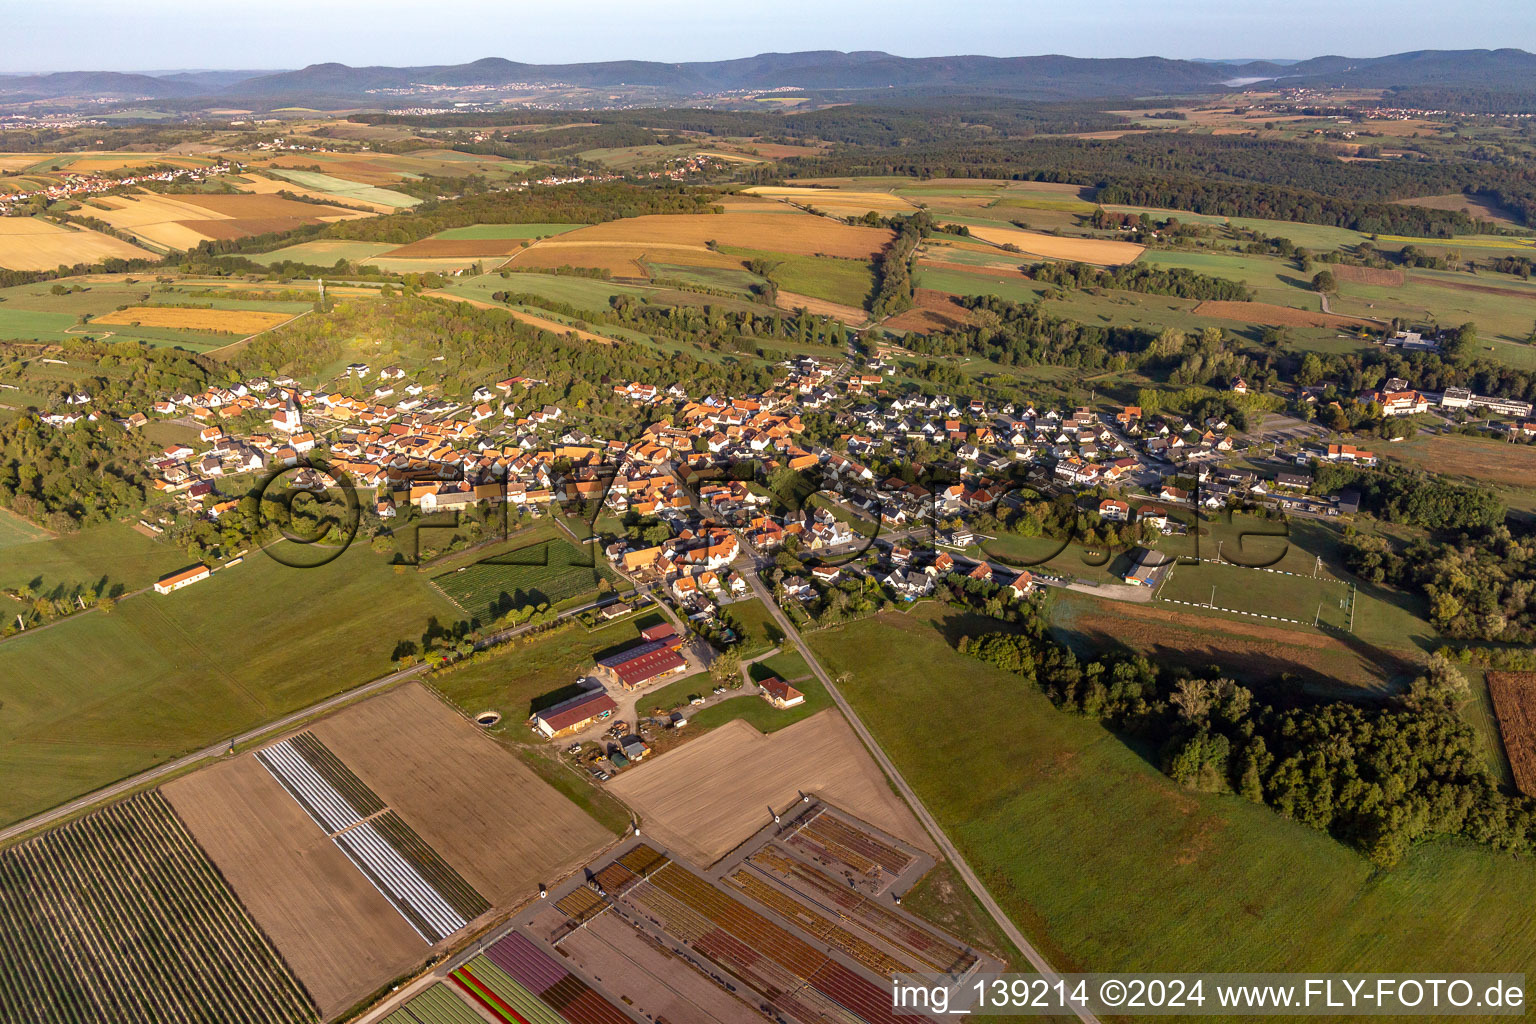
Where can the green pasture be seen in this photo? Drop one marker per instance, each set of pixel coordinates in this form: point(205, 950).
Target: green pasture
point(106, 694)
point(1107, 864)
point(481, 232)
point(849, 282)
point(324, 252)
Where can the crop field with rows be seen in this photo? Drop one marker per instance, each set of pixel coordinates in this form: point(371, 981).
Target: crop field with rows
point(121, 917)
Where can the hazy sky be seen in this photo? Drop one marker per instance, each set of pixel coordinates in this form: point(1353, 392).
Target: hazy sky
point(165, 34)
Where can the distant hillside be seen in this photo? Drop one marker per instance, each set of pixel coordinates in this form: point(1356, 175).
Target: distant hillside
point(1045, 77)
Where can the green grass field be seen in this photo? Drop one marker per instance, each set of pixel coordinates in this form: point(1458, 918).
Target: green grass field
point(324, 252)
point(761, 715)
point(1011, 286)
point(23, 324)
point(545, 572)
point(849, 282)
point(478, 232)
point(581, 292)
point(14, 530)
point(116, 553)
point(107, 694)
point(1109, 866)
point(739, 282)
point(344, 189)
point(759, 632)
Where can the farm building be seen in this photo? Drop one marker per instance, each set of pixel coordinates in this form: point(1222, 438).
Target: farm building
point(575, 714)
point(780, 694)
point(184, 578)
point(641, 664)
point(1144, 567)
point(664, 632)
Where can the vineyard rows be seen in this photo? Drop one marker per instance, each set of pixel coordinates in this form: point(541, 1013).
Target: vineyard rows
point(119, 916)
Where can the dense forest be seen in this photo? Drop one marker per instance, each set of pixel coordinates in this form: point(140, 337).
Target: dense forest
point(1378, 777)
point(1139, 277)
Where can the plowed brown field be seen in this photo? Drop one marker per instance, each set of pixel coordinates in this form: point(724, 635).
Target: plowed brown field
point(1367, 275)
point(936, 311)
point(487, 813)
point(1275, 316)
point(710, 795)
point(333, 928)
point(1514, 701)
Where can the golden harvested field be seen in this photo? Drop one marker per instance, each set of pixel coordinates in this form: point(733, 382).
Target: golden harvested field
point(822, 307)
point(504, 829)
point(711, 794)
point(1514, 702)
point(1477, 206)
point(1098, 251)
point(836, 201)
point(333, 928)
point(224, 321)
point(1275, 316)
point(29, 243)
point(184, 221)
point(802, 234)
point(115, 161)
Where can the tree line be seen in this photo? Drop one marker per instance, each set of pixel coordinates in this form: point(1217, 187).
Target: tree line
point(1379, 777)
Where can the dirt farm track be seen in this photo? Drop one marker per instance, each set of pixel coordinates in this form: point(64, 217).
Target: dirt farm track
point(711, 794)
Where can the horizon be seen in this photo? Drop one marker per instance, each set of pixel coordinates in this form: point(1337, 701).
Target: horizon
point(387, 33)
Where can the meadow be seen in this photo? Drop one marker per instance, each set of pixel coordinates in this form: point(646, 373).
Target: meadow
point(845, 281)
point(475, 232)
point(103, 695)
point(1153, 874)
point(323, 252)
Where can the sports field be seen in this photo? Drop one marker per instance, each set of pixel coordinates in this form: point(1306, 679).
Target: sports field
point(1260, 594)
point(1104, 861)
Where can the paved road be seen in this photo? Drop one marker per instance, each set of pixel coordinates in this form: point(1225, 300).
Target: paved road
point(948, 848)
point(219, 749)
